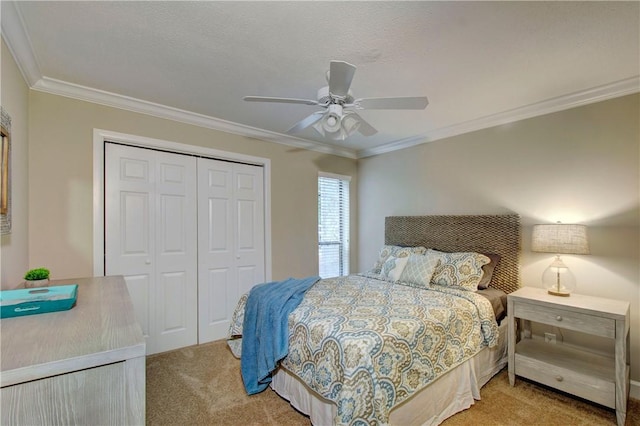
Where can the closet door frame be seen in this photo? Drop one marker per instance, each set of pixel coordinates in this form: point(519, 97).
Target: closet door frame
point(100, 137)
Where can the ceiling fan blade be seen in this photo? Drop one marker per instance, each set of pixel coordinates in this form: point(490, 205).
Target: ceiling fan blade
point(306, 122)
point(281, 100)
point(340, 77)
point(419, 102)
point(363, 127)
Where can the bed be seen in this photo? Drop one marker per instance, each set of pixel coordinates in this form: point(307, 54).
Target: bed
point(376, 349)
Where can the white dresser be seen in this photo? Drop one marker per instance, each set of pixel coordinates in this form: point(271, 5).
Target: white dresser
point(602, 378)
point(81, 366)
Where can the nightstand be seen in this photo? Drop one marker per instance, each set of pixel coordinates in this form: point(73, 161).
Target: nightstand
point(599, 378)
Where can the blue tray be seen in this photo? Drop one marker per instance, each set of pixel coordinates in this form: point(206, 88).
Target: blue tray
point(39, 300)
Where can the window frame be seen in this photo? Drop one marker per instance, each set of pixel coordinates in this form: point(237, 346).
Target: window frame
point(345, 223)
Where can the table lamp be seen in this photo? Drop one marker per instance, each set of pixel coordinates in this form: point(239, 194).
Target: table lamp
point(560, 239)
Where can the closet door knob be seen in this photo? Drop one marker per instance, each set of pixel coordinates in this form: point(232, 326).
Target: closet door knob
point(147, 262)
point(558, 318)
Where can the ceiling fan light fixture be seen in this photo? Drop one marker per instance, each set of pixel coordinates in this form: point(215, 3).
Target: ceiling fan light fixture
point(350, 124)
point(337, 124)
point(337, 135)
point(332, 121)
point(334, 132)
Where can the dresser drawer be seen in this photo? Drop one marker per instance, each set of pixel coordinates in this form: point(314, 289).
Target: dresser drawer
point(577, 321)
point(586, 386)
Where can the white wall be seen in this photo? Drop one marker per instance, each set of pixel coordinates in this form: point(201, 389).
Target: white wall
point(576, 166)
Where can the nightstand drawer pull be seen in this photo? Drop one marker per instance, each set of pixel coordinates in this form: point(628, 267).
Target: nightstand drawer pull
point(558, 318)
point(559, 378)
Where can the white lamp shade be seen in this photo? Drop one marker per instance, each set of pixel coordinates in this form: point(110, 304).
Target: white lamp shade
point(560, 238)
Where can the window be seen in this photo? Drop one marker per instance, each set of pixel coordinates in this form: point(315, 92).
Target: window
point(333, 225)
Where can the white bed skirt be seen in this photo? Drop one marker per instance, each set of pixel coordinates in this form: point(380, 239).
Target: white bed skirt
point(453, 392)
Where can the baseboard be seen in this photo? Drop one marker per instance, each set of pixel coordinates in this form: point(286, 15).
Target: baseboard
point(634, 390)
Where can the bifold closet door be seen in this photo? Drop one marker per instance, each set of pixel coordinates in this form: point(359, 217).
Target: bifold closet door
point(151, 239)
point(231, 252)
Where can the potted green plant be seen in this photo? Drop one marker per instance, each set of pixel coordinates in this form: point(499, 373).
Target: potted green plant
point(38, 277)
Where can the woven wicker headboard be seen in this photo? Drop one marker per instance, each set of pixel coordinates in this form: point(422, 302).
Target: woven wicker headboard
point(496, 234)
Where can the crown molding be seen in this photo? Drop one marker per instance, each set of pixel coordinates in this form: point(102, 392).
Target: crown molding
point(18, 42)
point(597, 94)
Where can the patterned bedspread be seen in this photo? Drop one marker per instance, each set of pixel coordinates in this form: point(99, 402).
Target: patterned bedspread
point(368, 344)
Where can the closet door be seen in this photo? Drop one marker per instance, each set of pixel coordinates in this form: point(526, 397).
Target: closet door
point(151, 239)
point(231, 241)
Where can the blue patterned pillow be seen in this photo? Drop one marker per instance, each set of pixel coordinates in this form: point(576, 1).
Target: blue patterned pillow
point(393, 267)
point(462, 269)
point(419, 270)
point(395, 251)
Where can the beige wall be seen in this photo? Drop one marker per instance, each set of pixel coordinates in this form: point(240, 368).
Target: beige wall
point(14, 99)
point(60, 176)
point(581, 165)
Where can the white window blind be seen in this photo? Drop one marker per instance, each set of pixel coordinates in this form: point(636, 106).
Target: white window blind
point(333, 225)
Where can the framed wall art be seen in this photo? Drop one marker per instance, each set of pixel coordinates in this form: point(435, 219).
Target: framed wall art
point(5, 172)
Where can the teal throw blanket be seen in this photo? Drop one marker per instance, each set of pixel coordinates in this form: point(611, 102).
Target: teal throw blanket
point(265, 331)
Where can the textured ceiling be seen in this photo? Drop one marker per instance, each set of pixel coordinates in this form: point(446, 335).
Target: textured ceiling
point(479, 63)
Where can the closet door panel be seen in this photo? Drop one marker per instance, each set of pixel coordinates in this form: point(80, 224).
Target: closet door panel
point(150, 236)
point(139, 287)
point(216, 253)
point(173, 239)
point(230, 198)
point(215, 215)
point(249, 226)
point(174, 302)
point(176, 251)
point(246, 224)
point(134, 216)
point(220, 243)
point(218, 293)
point(129, 227)
point(248, 276)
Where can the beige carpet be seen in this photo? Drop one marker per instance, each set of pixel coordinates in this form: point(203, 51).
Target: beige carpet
point(201, 385)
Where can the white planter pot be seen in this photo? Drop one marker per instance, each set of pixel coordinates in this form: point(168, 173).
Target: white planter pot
point(36, 283)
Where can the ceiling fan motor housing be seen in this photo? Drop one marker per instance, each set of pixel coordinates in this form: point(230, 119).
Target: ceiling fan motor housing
point(326, 98)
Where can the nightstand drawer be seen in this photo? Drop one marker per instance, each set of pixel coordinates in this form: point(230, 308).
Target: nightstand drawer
point(577, 321)
point(583, 385)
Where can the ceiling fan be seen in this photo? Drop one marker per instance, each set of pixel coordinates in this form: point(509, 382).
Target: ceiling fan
point(338, 118)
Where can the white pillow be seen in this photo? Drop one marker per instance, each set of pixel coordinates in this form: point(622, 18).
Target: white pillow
point(419, 270)
point(393, 267)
